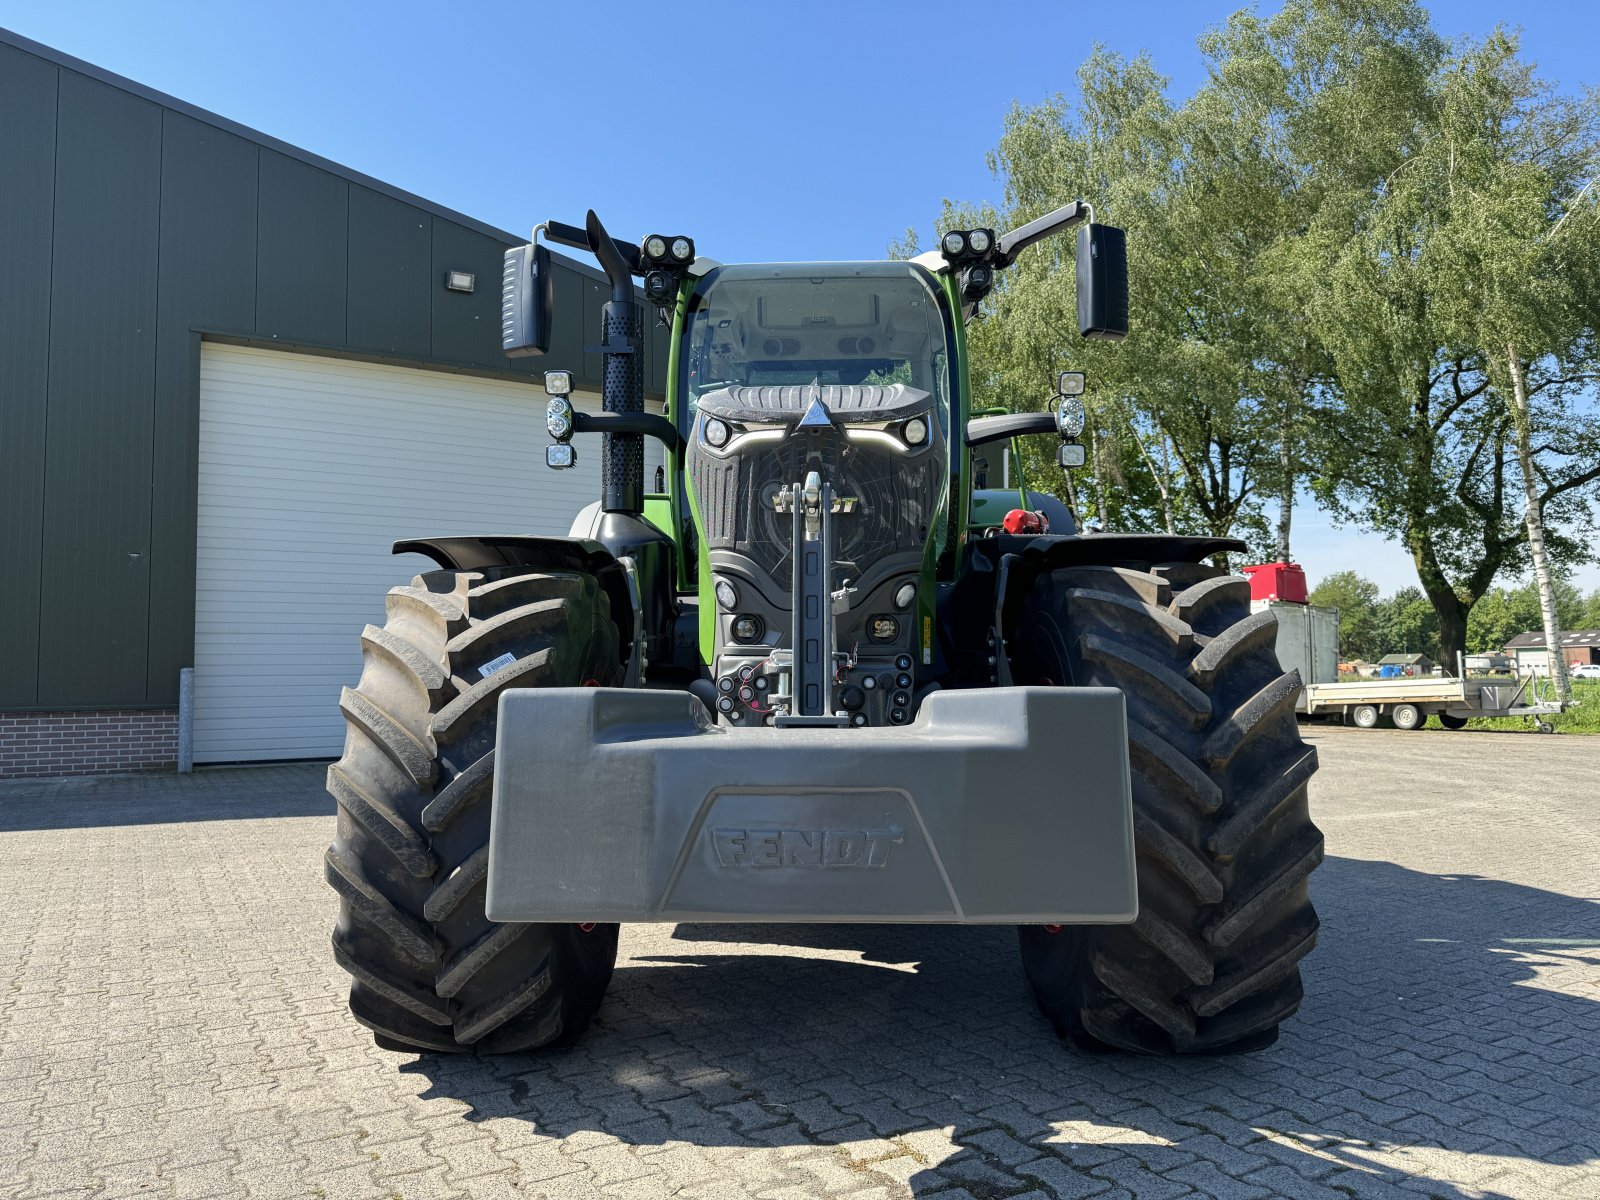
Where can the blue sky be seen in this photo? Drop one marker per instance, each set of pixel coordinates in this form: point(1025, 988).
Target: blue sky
point(766, 130)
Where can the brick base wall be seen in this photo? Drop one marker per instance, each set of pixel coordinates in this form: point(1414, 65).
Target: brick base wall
point(88, 743)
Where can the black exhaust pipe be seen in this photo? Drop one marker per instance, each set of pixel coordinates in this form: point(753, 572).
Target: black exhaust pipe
point(622, 350)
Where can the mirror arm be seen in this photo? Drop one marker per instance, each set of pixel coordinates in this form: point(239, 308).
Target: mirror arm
point(1018, 240)
point(649, 424)
point(577, 238)
point(983, 430)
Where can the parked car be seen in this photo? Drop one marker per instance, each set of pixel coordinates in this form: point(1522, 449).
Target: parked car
point(1585, 671)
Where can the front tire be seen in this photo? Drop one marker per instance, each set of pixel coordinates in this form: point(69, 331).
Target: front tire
point(1407, 717)
point(1364, 716)
point(429, 970)
point(1223, 836)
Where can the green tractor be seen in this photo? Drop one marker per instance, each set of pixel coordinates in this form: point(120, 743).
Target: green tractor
point(818, 675)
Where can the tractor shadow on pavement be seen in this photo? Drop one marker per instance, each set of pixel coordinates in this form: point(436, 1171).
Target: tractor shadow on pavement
point(1435, 1042)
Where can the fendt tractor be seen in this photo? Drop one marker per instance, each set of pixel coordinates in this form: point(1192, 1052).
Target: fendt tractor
point(822, 672)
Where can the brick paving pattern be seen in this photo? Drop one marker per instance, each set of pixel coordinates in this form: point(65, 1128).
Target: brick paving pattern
point(172, 1025)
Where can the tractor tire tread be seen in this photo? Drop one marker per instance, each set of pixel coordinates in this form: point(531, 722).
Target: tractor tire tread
point(429, 971)
point(1223, 836)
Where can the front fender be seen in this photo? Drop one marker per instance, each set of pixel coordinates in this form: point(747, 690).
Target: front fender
point(475, 552)
point(967, 612)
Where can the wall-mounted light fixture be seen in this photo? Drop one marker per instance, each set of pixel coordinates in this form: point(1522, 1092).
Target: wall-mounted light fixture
point(460, 281)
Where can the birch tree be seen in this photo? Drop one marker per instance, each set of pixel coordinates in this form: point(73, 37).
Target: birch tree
point(1514, 263)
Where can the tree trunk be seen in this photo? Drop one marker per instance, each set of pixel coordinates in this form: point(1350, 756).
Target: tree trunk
point(1099, 480)
point(1285, 518)
point(1286, 469)
point(1452, 638)
point(1166, 483)
point(1162, 475)
point(1448, 605)
point(1533, 512)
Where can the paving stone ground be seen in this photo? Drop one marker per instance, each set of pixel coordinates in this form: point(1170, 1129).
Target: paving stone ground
point(172, 1024)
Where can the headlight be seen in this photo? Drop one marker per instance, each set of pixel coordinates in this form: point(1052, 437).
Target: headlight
point(1070, 417)
point(716, 432)
point(980, 241)
point(560, 456)
point(904, 595)
point(955, 243)
point(727, 595)
point(558, 418)
point(557, 383)
point(655, 246)
point(883, 629)
point(746, 628)
point(658, 287)
point(682, 249)
point(916, 431)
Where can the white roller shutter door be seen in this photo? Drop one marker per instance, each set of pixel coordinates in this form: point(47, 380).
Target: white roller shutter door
point(309, 468)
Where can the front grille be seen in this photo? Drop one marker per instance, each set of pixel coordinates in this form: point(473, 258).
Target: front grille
point(896, 493)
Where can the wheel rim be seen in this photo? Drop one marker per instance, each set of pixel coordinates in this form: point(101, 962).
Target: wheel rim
point(1365, 716)
point(1407, 717)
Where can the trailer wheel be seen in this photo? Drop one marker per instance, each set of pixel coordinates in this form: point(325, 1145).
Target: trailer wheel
point(1223, 836)
point(429, 970)
point(1364, 716)
point(1407, 716)
point(1449, 721)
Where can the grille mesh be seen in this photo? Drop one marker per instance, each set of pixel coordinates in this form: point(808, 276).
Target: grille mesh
point(896, 492)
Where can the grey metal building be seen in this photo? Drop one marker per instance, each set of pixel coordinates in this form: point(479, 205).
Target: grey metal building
point(230, 371)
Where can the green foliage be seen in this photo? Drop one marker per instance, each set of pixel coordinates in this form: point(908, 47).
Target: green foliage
point(1357, 601)
point(1589, 615)
point(1499, 616)
point(1338, 247)
point(1370, 627)
point(1583, 717)
point(1406, 623)
point(1427, 285)
point(1504, 613)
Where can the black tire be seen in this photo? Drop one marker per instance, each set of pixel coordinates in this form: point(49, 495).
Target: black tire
point(1407, 717)
point(409, 858)
point(1452, 722)
point(1364, 716)
point(1224, 840)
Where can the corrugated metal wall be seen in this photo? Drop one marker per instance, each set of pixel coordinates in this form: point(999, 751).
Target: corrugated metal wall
point(129, 228)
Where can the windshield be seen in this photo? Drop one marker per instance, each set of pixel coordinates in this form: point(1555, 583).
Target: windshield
point(826, 323)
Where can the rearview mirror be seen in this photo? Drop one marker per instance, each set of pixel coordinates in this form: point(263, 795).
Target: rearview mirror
point(527, 300)
point(1102, 282)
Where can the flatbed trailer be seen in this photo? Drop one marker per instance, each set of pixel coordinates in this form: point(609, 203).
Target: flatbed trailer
point(1407, 703)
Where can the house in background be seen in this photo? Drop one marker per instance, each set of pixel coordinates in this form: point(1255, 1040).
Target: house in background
point(1580, 646)
point(232, 373)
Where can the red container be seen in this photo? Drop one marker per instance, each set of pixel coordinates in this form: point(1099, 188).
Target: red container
point(1277, 581)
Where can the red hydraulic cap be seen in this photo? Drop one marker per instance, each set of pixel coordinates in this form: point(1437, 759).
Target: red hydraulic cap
point(1277, 581)
point(1020, 520)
